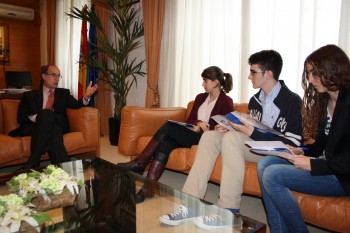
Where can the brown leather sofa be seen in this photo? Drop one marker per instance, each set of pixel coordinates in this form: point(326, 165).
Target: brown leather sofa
point(84, 138)
point(139, 124)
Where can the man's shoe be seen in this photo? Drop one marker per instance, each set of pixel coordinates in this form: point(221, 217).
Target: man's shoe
point(25, 166)
point(213, 221)
point(181, 215)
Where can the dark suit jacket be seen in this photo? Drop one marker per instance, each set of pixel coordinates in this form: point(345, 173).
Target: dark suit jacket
point(32, 103)
point(336, 144)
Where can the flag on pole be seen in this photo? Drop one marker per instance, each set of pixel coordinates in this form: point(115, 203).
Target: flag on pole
point(92, 73)
point(83, 58)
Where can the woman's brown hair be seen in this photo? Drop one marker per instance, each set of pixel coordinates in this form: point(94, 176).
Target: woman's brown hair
point(332, 66)
point(215, 73)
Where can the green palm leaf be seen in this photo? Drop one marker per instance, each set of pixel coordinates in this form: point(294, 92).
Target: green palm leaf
point(118, 70)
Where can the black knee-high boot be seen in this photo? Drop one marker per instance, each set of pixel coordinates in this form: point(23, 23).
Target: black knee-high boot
point(154, 173)
point(139, 164)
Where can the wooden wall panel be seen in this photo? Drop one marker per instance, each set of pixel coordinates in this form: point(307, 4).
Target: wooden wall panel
point(24, 43)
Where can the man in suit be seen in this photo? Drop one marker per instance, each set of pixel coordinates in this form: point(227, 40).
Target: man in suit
point(42, 115)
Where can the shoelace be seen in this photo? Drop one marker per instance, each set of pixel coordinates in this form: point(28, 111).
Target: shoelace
point(212, 218)
point(181, 210)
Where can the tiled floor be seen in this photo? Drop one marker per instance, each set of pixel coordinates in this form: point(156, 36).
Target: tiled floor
point(250, 206)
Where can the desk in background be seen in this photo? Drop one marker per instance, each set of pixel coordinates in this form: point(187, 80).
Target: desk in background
point(12, 93)
point(15, 96)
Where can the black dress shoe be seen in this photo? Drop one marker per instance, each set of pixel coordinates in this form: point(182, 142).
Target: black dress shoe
point(134, 166)
point(28, 166)
point(25, 166)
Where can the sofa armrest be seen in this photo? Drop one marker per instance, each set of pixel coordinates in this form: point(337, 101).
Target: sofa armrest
point(137, 122)
point(87, 121)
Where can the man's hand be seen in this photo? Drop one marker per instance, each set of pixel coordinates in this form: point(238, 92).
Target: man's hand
point(90, 90)
point(220, 128)
point(246, 128)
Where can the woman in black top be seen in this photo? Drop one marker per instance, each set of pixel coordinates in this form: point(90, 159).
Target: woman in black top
point(324, 169)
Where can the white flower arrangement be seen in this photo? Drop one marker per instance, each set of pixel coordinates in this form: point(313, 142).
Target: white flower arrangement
point(52, 180)
point(14, 210)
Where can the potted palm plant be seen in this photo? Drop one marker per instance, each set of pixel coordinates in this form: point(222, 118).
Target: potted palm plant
point(118, 70)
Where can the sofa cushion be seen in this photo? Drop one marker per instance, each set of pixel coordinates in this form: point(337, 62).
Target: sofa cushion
point(11, 148)
point(73, 141)
point(83, 120)
point(142, 143)
point(241, 107)
point(177, 160)
point(9, 115)
point(251, 182)
point(330, 212)
point(139, 122)
point(26, 145)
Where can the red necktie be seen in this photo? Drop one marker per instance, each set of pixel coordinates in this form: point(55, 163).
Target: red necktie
point(50, 100)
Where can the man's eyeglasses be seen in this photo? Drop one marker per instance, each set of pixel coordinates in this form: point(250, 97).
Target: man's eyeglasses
point(55, 75)
point(253, 72)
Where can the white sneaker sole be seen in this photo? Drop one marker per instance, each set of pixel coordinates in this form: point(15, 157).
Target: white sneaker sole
point(175, 222)
point(209, 227)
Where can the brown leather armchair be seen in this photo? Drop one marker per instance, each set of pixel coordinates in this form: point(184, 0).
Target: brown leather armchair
point(84, 138)
point(139, 124)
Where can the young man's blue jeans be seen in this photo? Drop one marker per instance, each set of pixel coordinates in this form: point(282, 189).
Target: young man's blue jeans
point(277, 177)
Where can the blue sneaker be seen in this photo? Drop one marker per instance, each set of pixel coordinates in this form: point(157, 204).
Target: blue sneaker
point(215, 221)
point(181, 215)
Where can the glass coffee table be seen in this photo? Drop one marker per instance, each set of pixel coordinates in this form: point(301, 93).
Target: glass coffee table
point(107, 203)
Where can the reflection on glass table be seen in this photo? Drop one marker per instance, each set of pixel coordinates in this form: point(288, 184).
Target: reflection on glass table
point(107, 203)
point(166, 200)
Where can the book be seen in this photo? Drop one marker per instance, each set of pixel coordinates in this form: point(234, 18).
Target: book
point(268, 147)
point(188, 125)
point(236, 116)
point(222, 120)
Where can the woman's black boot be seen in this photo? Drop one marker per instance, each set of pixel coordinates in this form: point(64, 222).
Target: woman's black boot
point(139, 164)
point(154, 173)
point(134, 166)
point(140, 196)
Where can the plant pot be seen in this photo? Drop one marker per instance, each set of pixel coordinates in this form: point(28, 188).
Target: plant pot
point(114, 128)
